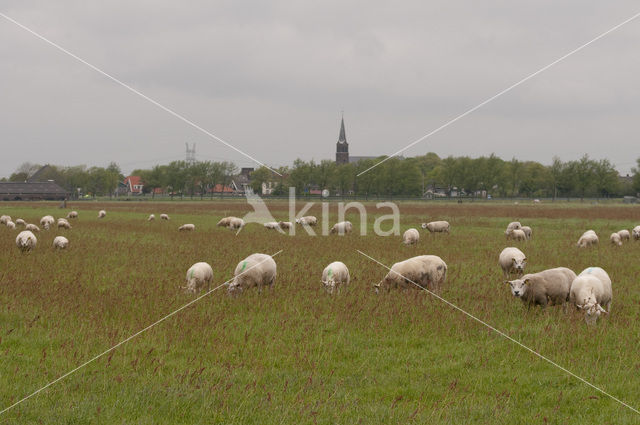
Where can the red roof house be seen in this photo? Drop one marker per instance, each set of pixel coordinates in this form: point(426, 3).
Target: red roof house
point(134, 185)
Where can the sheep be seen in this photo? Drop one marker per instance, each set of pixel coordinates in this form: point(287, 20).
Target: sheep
point(26, 241)
point(272, 225)
point(187, 227)
point(63, 223)
point(624, 235)
point(335, 275)
point(636, 233)
point(256, 270)
point(527, 231)
point(410, 237)
point(5, 219)
point(102, 214)
point(285, 225)
point(231, 223)
point(60, 242)
point(308, 220)
point(512, 260)
point(72, 214)
point(224, 222)
point(11, 225)
point(199, 275)
point(20, 222)
point(151, 217)
point(590, 291)
point(164, 217)
point(436, 226)
point(47, 221)
point(514, 225)
point(32, 228)
point(517, 235)
point(548, 286)
point(424, 271)
point(587, 239)
point(615, 239)
point(342, 227)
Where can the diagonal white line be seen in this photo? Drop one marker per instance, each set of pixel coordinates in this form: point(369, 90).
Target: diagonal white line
point(499, 332)
point(131, 89)
point(128, 339)
point(508, 89)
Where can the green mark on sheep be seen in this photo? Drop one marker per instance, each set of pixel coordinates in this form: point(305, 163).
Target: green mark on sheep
point(191, 277)
point(329, 273)
point(244, 264)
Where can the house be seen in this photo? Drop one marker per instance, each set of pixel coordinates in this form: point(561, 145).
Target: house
point(32, 191)
point(133, 185)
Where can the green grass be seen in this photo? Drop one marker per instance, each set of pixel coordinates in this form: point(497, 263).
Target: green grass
point(295, 354)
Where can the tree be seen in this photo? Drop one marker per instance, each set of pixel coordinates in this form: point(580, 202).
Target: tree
point(258, 177)
point(584, 175)
point(605, 178)
point(636, 176)
point(24, 171)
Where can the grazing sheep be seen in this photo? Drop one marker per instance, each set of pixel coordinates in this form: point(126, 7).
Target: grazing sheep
point(272, 225)
point(11, 225)
point(72, 214)
point(5, 219)
point(426, 271)
point(199, 275)
point(588, 238)
point(231, 223)
point(47, 221)
point(636, 233)
point(624, 235)
point(436, 226)
point(410, 237)
point(590, 291)
point(151, 217)
point(63, 223)
point(20, 222)
point(285, 225)
point(164, 217)
point(187, 227)
point(26, 241)
point(527, 231)
point(308, 220)
point(548, 286)
point(60, 242)
point(513, 226)
point(32, 228)
point(342, 227)
point(335, 275)
point(517, 235)
point(512, 260)
point(102, 214)
point(615, 239)
point(224, 222)
point(256, 270)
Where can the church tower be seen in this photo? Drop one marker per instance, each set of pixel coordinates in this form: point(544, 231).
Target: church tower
point(342, 147)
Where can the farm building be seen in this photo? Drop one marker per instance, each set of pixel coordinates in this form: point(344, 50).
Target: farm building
point(30, 190)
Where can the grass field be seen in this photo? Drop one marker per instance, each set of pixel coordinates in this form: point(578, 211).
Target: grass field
point(296, 354)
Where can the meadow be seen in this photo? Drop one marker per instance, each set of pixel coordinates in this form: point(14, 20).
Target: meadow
point(295, 354)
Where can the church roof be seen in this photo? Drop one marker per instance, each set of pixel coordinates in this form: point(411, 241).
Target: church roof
point(343, 137)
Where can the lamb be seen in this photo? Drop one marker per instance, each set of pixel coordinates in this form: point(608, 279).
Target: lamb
point(187, 227)
point(335, 275)
point(11, 225)
point(272, 225)
point(151, 217)
point(624, 235)
point(410, 237)
point(342, 227)
point(32, 228)
point(424, 271)
point(615, 239)
point(550, 286)
point(436, 226)
point(527, 231)
point(285, 225)
point(47, 221)
point(5, 219)
point(636, 233)
point(26, 241)
point(60, 242)
point(199, 275)
point(256, 270)
point(72, 214)
point(512, 260)
point(590, 291)
point(517, 235)
point(231, 223)
point(20, 222)
point(514, 225)
point(308, 220)
point(588, 238)
point(102, 214)
point(63, 223)
point(164, 217)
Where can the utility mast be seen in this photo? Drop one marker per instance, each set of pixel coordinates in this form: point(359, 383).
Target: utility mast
point(191, 154)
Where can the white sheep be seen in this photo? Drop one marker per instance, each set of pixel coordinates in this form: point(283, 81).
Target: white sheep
point(102, 214)
point(256, 270)
point(26, 241)
point(151, 217)
point(60, 242)
point(411, 237)
point(187, 227)
point(588, 238)
point(512, 260)
point(274, 225)
point(21, 222)
point(636, 233)
point(63, 223)
point(334, 276)
point(426, 271)
point(615, 239)
point(590, 291)
point(517, 235)
point(47, 221)
point(11, 225)
point(5, 219)
point(231, 223)
point(199, 275)
point(514, 225)
point(437, 226)
point(550, 286)
point(342, 227)
point(72, 214)
point(624, 235)
point(32, 227)
point(527, 231)
point(308, 220)
point(164, 217)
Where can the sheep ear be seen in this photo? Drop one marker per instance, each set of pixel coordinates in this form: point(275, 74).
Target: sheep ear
point(513, 260)
point(526, 281)
point(524, 259)
point(506, 281)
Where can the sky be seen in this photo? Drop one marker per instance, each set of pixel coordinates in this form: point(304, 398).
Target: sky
point(272, 78)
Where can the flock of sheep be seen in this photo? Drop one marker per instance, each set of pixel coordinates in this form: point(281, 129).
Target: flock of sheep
point(589, 291)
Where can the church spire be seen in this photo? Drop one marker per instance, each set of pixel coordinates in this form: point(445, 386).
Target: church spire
point(342, 147)
point(343, 137)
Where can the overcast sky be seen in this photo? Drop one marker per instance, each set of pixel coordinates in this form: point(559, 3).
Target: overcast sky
point(272, 77)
